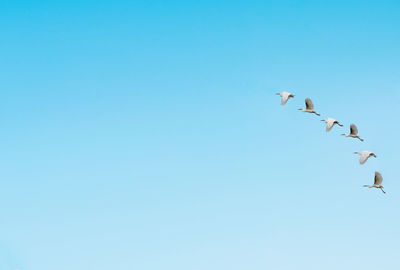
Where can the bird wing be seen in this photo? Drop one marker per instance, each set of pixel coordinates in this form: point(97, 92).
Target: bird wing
point(378, 179)
point(353, 129)
point(329, 125)
point(364, 157)
point(309, 104)
point(285, 98)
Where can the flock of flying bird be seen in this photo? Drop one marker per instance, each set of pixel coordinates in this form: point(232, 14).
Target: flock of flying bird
point(330, 122)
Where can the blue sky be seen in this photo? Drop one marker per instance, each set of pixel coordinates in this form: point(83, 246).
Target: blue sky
point(147, 135)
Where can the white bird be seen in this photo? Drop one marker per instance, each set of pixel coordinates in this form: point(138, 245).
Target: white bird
point(309, 107)
point(377, 182)
point(330, 122)
point(365, 155)
point(353, 132)
point(285, 97)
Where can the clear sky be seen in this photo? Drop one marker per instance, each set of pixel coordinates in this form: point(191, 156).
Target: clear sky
point(147, 135)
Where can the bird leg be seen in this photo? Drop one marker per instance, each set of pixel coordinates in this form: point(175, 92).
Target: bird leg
point(360, 139)
point(383, 190)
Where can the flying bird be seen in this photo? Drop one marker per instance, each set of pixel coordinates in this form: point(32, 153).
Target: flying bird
point(330, 122)
point(285, 97)
point(309, 107)
point(377, 182)
point(365, 155)
point(353, 132)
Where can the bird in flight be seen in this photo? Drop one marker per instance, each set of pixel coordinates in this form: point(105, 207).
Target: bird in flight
point(330, 122)
point(353, 132)
point(365, 155)
point(309, 107)
point(377, 182)
point(285, 96)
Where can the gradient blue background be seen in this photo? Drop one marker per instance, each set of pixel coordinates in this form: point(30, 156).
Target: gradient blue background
point(147, 135)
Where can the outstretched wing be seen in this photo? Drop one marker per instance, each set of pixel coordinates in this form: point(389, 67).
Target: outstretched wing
point(285, 98)
point(353, 129)
point(329, 125)
point(364, 157)
point(309, 104)
point(378, 179)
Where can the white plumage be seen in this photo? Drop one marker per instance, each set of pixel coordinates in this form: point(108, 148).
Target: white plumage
point(285, 96)
point(365, 155)
point(330, 122)
point(309, 107)
point(377, 182)
point(353, 132)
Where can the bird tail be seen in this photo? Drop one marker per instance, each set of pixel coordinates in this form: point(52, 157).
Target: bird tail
point(368, 186)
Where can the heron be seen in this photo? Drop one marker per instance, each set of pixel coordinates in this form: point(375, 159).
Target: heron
point(365, 155)
point(309, 107)
point(353, 132)
point(377, 182)
point(285, 97)
point(330, 122)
